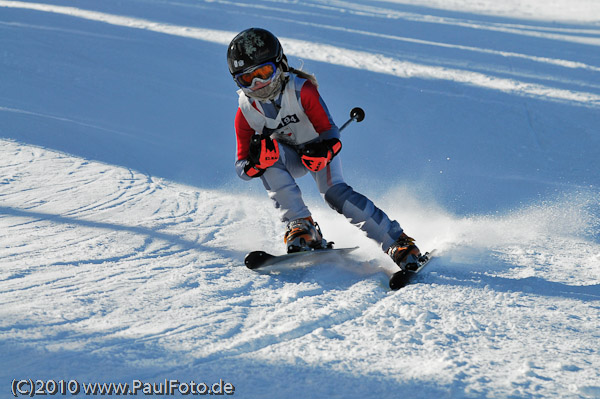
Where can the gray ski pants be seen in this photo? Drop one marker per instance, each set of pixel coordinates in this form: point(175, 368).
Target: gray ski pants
point(280, 183)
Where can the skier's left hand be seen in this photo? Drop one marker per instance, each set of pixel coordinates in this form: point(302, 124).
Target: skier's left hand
point(316, 156)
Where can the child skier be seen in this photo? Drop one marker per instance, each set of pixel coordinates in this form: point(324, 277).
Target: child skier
point(284, 131)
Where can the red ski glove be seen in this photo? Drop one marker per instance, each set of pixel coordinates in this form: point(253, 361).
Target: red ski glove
point(263, 153)
point(316, 156)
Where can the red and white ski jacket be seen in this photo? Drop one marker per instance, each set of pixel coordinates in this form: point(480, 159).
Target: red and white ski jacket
point(299, 115)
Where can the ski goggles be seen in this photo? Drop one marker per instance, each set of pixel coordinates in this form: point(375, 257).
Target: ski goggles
point(261, 73)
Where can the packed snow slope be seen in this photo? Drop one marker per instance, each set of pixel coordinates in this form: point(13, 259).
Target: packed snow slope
point(123, 227)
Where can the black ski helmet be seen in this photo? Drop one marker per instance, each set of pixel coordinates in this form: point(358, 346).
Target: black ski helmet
point(253, 47)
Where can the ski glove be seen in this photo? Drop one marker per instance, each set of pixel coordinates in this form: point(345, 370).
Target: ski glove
point(316, 156)
point(263, 153)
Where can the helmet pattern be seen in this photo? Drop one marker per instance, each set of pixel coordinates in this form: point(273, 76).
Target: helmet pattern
point(251, 42)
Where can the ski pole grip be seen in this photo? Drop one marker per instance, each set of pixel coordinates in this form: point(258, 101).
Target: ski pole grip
point(357, 114)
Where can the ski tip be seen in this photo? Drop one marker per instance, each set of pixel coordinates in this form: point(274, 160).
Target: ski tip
point(399, 279)
point(256, 259)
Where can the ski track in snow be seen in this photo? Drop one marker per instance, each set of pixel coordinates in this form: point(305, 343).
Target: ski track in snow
point(110, 274)
point(143, 271)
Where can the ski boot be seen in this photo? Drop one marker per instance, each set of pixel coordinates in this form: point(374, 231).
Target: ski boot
point(407, 256)
point(405, 253)
point(303, 235)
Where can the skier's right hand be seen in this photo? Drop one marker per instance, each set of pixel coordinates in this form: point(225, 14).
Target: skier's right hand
point(263, 153)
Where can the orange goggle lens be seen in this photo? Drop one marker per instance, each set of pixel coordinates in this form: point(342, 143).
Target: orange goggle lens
point(263, 72)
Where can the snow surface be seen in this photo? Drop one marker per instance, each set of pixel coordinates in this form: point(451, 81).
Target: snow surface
point(123, 227)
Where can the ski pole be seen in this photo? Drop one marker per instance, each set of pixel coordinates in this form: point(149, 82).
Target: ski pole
point(356, 114)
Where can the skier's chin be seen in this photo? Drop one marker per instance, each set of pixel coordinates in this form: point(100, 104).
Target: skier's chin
point(267, 93)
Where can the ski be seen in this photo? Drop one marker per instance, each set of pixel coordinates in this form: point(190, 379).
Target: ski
point(404, 277)
point(261, 260)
